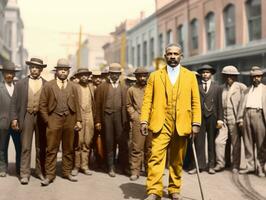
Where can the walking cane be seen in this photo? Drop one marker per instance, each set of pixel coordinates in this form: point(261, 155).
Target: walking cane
point(197, 166)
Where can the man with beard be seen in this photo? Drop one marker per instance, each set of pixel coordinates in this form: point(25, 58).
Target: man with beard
point(6, 92)
point(111, 115)
point(60, 110)
point(25, 117)
point(171, 111)
point(85, 135)
point(251, 118)
point(140, 145)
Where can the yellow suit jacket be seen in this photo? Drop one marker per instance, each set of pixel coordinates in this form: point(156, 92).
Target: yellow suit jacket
point(188, 110)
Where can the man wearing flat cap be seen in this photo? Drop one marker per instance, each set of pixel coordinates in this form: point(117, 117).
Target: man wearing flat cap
point(85, 135)
point(6, 91)
point(110, 98)
point(212, 118)
point(251, 117)
point(231, 95)
point(25, 118)
point(140, 145)
point(60, 110)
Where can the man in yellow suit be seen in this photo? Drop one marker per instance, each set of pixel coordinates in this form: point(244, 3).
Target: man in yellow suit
point(171, 111)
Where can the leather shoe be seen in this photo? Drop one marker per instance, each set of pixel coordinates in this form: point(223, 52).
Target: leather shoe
point(218, 168)
point(192, 171)
point(246, 171)
point(2, 174)
point(74, 172)
point(111, 173)
point(40, 176)
point(71, 178)
point(175, 196)
point(134, 177)
point(153, 197)
point(24, 181)
point(260, 172)
point(46, 182)
point(86, 172)
point(211, 171)
point(235, 170)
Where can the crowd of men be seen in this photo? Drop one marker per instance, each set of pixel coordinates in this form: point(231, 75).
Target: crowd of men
point(106, 115)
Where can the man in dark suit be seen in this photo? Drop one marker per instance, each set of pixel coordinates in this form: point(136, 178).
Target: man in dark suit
point(212, 117)
point(59, 107)
point(25, 117)
point(111, 115)
point(6, 92)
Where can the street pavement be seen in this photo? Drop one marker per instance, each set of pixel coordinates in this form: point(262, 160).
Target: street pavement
point(100, 186)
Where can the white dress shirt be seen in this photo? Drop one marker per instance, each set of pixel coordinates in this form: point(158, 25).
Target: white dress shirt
point(35, 84)
point(10, 88)
point(116, 84)
point(173, 73)
point(60, 83)
point(208, 84)
point(254, 98)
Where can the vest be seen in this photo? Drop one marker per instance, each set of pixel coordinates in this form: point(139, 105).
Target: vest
point(86, 103)
point(61, 107)
point(171, 98)
point(114, 99)
point(33, 101)
point(208, 104)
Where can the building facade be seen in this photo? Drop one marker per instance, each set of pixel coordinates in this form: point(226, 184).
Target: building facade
point(142, 43)
point(217, 32)
point(92, 53)
point(116, 51)
point(4, 53)
point(13, 36)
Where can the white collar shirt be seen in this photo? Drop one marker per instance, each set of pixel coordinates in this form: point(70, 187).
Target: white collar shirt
point(173, 73)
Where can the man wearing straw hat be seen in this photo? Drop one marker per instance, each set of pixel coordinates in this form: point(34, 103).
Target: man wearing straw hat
point(6, 91)
point(59, 107)
point(251, 118)
point(85, 135)
point(25, 118)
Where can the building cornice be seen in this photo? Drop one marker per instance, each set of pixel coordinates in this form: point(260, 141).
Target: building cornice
point(142, 23)
point(169, 6)
point(252, 48)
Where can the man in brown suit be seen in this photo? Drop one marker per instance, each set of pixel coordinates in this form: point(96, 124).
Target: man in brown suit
point(85, 135)
point(141, 145)
point(59, 107)
point(111, 115)
point(25, 117)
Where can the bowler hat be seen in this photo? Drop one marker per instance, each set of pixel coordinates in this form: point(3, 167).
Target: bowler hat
point(115, 68)
point(256, 71)
point(105, 70)
point(9, 66)
point(96, 73)
point(141, 70)
point(83, 71)
point(206, 67)
point(230, 70)
point(36, 61)
point(62, 63)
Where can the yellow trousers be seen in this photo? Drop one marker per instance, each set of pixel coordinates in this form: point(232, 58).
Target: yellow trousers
point(166, 138)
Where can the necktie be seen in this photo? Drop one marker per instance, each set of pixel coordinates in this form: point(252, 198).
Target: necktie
point(205, 86)
point(63, 85)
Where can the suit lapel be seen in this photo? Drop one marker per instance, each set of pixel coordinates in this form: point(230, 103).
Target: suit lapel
point(4, 89)
point(163, 76)
point(54, 88)
point(181, 78)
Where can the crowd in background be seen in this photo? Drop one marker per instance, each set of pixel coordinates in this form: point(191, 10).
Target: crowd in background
point(93, 119)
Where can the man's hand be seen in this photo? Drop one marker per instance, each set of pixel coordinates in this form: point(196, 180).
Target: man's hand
point(78, 126)
point(240, 124)
point(144, 129)
point(195, 131)
point(14, 125)
point(219, 124)
point(98, 126)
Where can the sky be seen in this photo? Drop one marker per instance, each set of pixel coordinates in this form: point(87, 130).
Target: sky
point(47, 21)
